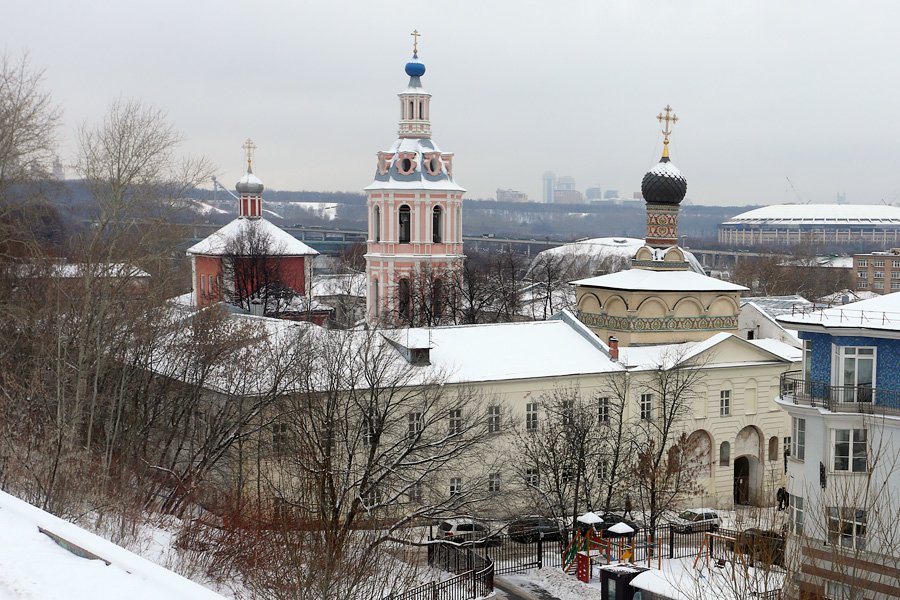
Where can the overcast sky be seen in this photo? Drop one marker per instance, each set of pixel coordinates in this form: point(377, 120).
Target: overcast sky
point(765, 90)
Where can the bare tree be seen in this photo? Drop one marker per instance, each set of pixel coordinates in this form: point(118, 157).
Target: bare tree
point(666, 464)
point(559, 452)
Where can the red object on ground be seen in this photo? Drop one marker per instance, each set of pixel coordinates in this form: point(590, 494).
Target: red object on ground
point(583, 567)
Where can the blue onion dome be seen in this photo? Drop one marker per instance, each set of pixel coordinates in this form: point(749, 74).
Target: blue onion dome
point(664, 184)
point(414, 68)
point(249, 184)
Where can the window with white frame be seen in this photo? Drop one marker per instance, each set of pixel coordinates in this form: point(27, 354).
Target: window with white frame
point(532, 477)
point(797, 514)
point(568, 411)
point(895, 274)
point(878, 285)
point(415, 422)
point(603, 410)
point(646, 407)
point(493, 424)
point(863, 262)
point(847, 527)
point(895, 285)
point(602, 471)
point(854, 370)
point(280, 438)
point(494, 483)
point(416, 492)
point(724, 403)
point(568, 475)
point(807, 360)
point(895, 264)
point(862, 285)
point(531, 416)
point(455, 486)
point(455, 422)
point(878, 262)
point(849, 450)
point(837, 591)
point(862, 274)
point(798, 438)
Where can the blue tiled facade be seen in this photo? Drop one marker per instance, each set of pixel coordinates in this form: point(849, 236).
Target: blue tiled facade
point(887, 357)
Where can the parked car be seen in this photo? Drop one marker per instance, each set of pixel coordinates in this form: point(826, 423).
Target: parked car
point(528, 529)
point(761, 546)
point(467, 531)
point(696, 519)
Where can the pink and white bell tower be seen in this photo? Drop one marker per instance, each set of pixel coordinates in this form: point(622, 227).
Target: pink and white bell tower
point(415, 243)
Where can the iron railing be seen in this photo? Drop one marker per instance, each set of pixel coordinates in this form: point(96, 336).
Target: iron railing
point(839, 398)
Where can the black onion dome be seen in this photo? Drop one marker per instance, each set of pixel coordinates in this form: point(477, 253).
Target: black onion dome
point(664, 184)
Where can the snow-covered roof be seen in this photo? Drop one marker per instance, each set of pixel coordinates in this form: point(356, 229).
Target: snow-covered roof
point(279, 241)
point(661, 281)
point(75, 270)
point(419, 179)
point(776, 305)
point(670, 355)
point(881, 313)
point(352, 284)
point(33, 565)
point(678, 579)
point(503, 351)
point(819, 214)
point(846, 297)
point(606, 247)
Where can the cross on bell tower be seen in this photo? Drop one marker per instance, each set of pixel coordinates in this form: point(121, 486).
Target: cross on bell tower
point(669, 119)
point(249, 147)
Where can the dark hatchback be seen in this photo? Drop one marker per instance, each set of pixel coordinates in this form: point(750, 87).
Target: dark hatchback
point(529, 529)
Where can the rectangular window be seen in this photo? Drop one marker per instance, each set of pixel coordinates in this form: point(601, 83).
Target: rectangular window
point(455, 486)
point(603, 411)
point(895, 285)
point(855, 373)
point(280, 439)
point(798, 435)
point(807, 361)
point(863, 274)
point(494, 483)
point(895, 275)
point(568, 411)
point(837, 591)
point(863, 262)
point(878, 262)
point(895, 264)
point(724, 403)
point(878, 285)
point(568, 475)
point(849, 450)
point(862, 285)
point(879, 274)
point(370, 433)
point(416, 423)
point(797, 517)
point(455, 422)
point(416, 492)
point(531, 416)
point(847, 527)
point(493, 424)
point(532, 478)
point(646, 407)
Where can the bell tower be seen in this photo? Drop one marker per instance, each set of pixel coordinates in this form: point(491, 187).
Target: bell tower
point(414, 245)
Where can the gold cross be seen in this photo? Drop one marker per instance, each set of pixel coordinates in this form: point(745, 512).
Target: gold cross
point(249, 147)
point(669, 119)
point(415, 35)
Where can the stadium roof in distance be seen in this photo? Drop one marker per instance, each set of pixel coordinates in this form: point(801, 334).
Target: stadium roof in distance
point(819, 214)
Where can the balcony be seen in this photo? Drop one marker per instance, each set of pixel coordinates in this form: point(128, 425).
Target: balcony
point(839, 398)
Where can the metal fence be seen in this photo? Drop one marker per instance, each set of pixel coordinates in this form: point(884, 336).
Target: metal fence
point(839, 398)
point(474, 574)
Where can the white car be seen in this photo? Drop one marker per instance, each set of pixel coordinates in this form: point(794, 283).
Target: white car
point(696, 519)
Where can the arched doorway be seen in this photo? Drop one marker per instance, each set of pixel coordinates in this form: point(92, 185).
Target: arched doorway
point(746, 480)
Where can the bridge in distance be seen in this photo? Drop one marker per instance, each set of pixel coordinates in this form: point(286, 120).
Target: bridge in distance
point(333, 240)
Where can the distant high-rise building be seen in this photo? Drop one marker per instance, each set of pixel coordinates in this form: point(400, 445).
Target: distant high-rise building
point(611, 194)
point(565, 183)
point(842, 198)
point(549, 186)
point(511, 196)
point(593, 193)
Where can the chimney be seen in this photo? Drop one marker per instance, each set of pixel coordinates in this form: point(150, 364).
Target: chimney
point(614, 347)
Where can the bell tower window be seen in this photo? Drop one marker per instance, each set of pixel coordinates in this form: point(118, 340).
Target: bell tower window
point(405, 222)
point(437, 224)
point(376, 224)
point(403, 304)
